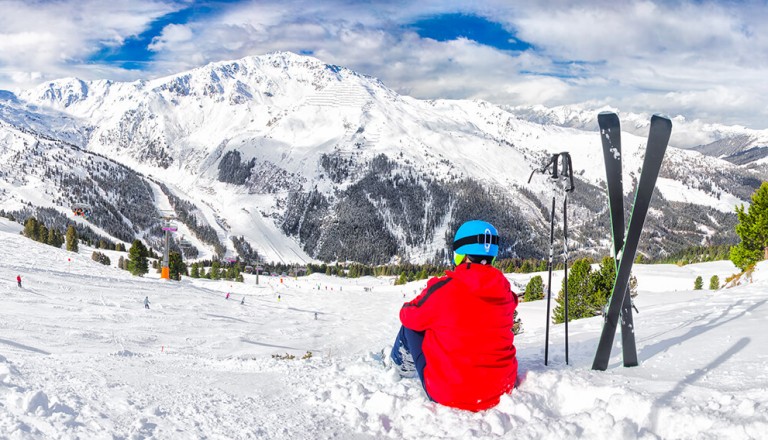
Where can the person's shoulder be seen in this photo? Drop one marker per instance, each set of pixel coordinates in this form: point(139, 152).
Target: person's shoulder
point(438, 279)
point(441, 280)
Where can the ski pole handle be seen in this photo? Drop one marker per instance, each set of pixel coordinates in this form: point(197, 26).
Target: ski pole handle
point(567, 170)
point(542, 170)
point(553, 162)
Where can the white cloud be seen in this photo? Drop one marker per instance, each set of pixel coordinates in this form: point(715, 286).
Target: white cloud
point(57, 38)
point(171, 35)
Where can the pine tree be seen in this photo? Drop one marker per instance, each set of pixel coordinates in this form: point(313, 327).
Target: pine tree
point(52, 238)
point(534, 290)
point(176, 266)
point(137, 258)
point(42, 233)
point(30, 228)
point(578, 293)
point(101, 258)
point(215, 272)
point(698, 284)
point(72, 240)
point(601, 284)
point(195, 271)
point(752, 229)
point(714, 282)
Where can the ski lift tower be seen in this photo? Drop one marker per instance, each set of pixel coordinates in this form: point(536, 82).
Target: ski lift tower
point(168, 228)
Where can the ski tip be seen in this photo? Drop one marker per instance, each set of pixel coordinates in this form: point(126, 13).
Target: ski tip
point(608, 120)
point(661, 116)
point(608, 116)
point(607, 112)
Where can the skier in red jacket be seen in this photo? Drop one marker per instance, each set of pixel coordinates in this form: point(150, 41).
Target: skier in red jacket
point(457, 334)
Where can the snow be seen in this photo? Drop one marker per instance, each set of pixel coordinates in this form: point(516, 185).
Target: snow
point(80, 357)
point(286, 111)
point(675, 191)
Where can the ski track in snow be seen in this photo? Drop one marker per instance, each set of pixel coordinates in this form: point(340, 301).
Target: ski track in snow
point(81, 358)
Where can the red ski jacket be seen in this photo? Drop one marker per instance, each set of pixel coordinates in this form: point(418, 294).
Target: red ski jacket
point(467, 317)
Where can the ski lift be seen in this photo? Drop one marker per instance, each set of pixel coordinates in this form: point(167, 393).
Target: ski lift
point(81, 210)
point(168, 226)
point(184, 243)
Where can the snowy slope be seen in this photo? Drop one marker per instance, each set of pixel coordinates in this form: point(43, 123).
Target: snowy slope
point(81, 358)
point(306, 127)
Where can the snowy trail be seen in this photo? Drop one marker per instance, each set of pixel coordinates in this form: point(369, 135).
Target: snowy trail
point(81, 358)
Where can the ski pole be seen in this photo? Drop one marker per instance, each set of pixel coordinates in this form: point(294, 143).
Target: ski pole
point(549, 283)
point(567, 172)
point(565, 258)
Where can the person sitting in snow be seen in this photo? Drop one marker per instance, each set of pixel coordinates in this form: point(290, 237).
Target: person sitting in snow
point(457, 334)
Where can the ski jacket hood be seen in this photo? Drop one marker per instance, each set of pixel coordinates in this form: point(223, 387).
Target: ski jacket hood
point(467, 317)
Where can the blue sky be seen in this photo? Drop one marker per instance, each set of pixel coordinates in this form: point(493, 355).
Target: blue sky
point(135, 52)
point(705, 60)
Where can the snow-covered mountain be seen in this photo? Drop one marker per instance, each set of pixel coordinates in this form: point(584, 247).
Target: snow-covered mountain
point(306, 160)
point(735, 144)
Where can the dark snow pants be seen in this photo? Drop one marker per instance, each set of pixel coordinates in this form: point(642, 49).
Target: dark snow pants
point(408, 343)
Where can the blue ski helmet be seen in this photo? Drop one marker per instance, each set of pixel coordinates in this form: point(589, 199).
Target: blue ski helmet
point(476, 237)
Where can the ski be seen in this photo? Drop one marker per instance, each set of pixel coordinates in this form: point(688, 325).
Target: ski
point(658, 138)
point(610, 134)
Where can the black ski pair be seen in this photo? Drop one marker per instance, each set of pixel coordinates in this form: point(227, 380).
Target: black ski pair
point(566, 173)
point(625, 248)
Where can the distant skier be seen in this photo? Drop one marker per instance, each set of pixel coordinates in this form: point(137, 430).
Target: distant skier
point(278, 298)
point(18, 280)
point(227, 295)
point(242, 301)
point(146, 302)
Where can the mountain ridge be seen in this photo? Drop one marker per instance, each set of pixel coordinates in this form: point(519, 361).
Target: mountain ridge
point(287, 147)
